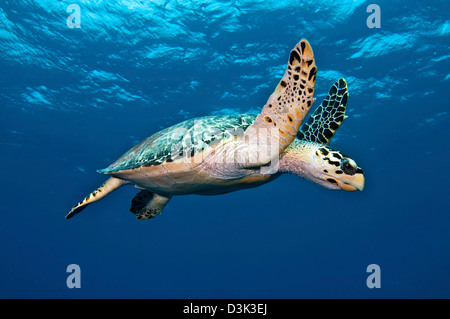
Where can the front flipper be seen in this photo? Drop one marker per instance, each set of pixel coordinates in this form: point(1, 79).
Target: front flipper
point(327, 118)
point(146, 205)
point(281, 117)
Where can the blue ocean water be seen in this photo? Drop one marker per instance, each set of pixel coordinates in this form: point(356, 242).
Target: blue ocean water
point(72, 100)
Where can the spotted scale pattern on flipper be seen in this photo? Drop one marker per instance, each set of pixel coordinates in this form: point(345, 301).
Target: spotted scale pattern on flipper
point(146, 205)
point(110, 185)
point(328, 117)
point(288, 105)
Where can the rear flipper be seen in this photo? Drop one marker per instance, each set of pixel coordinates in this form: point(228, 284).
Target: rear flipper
point(110, 185)
point(146, 205)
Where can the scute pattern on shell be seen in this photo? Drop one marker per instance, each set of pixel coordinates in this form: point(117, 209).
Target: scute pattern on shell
point(183, 140)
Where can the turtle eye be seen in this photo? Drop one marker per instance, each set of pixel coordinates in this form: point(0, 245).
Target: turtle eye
point(347, 167)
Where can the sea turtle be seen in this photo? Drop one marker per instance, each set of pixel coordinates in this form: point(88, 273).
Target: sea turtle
point(220, 154)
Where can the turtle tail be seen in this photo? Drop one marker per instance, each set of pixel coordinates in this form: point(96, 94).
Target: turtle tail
point(110, 185)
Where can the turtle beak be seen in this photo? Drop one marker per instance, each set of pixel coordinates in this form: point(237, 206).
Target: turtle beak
point(353, 183)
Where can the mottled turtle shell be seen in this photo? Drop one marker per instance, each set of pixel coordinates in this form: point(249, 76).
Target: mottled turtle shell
point(183, 141)
point(170, 161)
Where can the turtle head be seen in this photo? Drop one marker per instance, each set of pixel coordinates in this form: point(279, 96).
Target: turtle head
point(322, 165)
point(334, 170)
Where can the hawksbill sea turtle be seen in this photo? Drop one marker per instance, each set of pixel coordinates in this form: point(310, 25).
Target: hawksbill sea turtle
point(219, 154)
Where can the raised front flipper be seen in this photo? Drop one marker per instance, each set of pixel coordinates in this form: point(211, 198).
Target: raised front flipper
point(277, 125)
point(327, 118)
point(146, 205)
